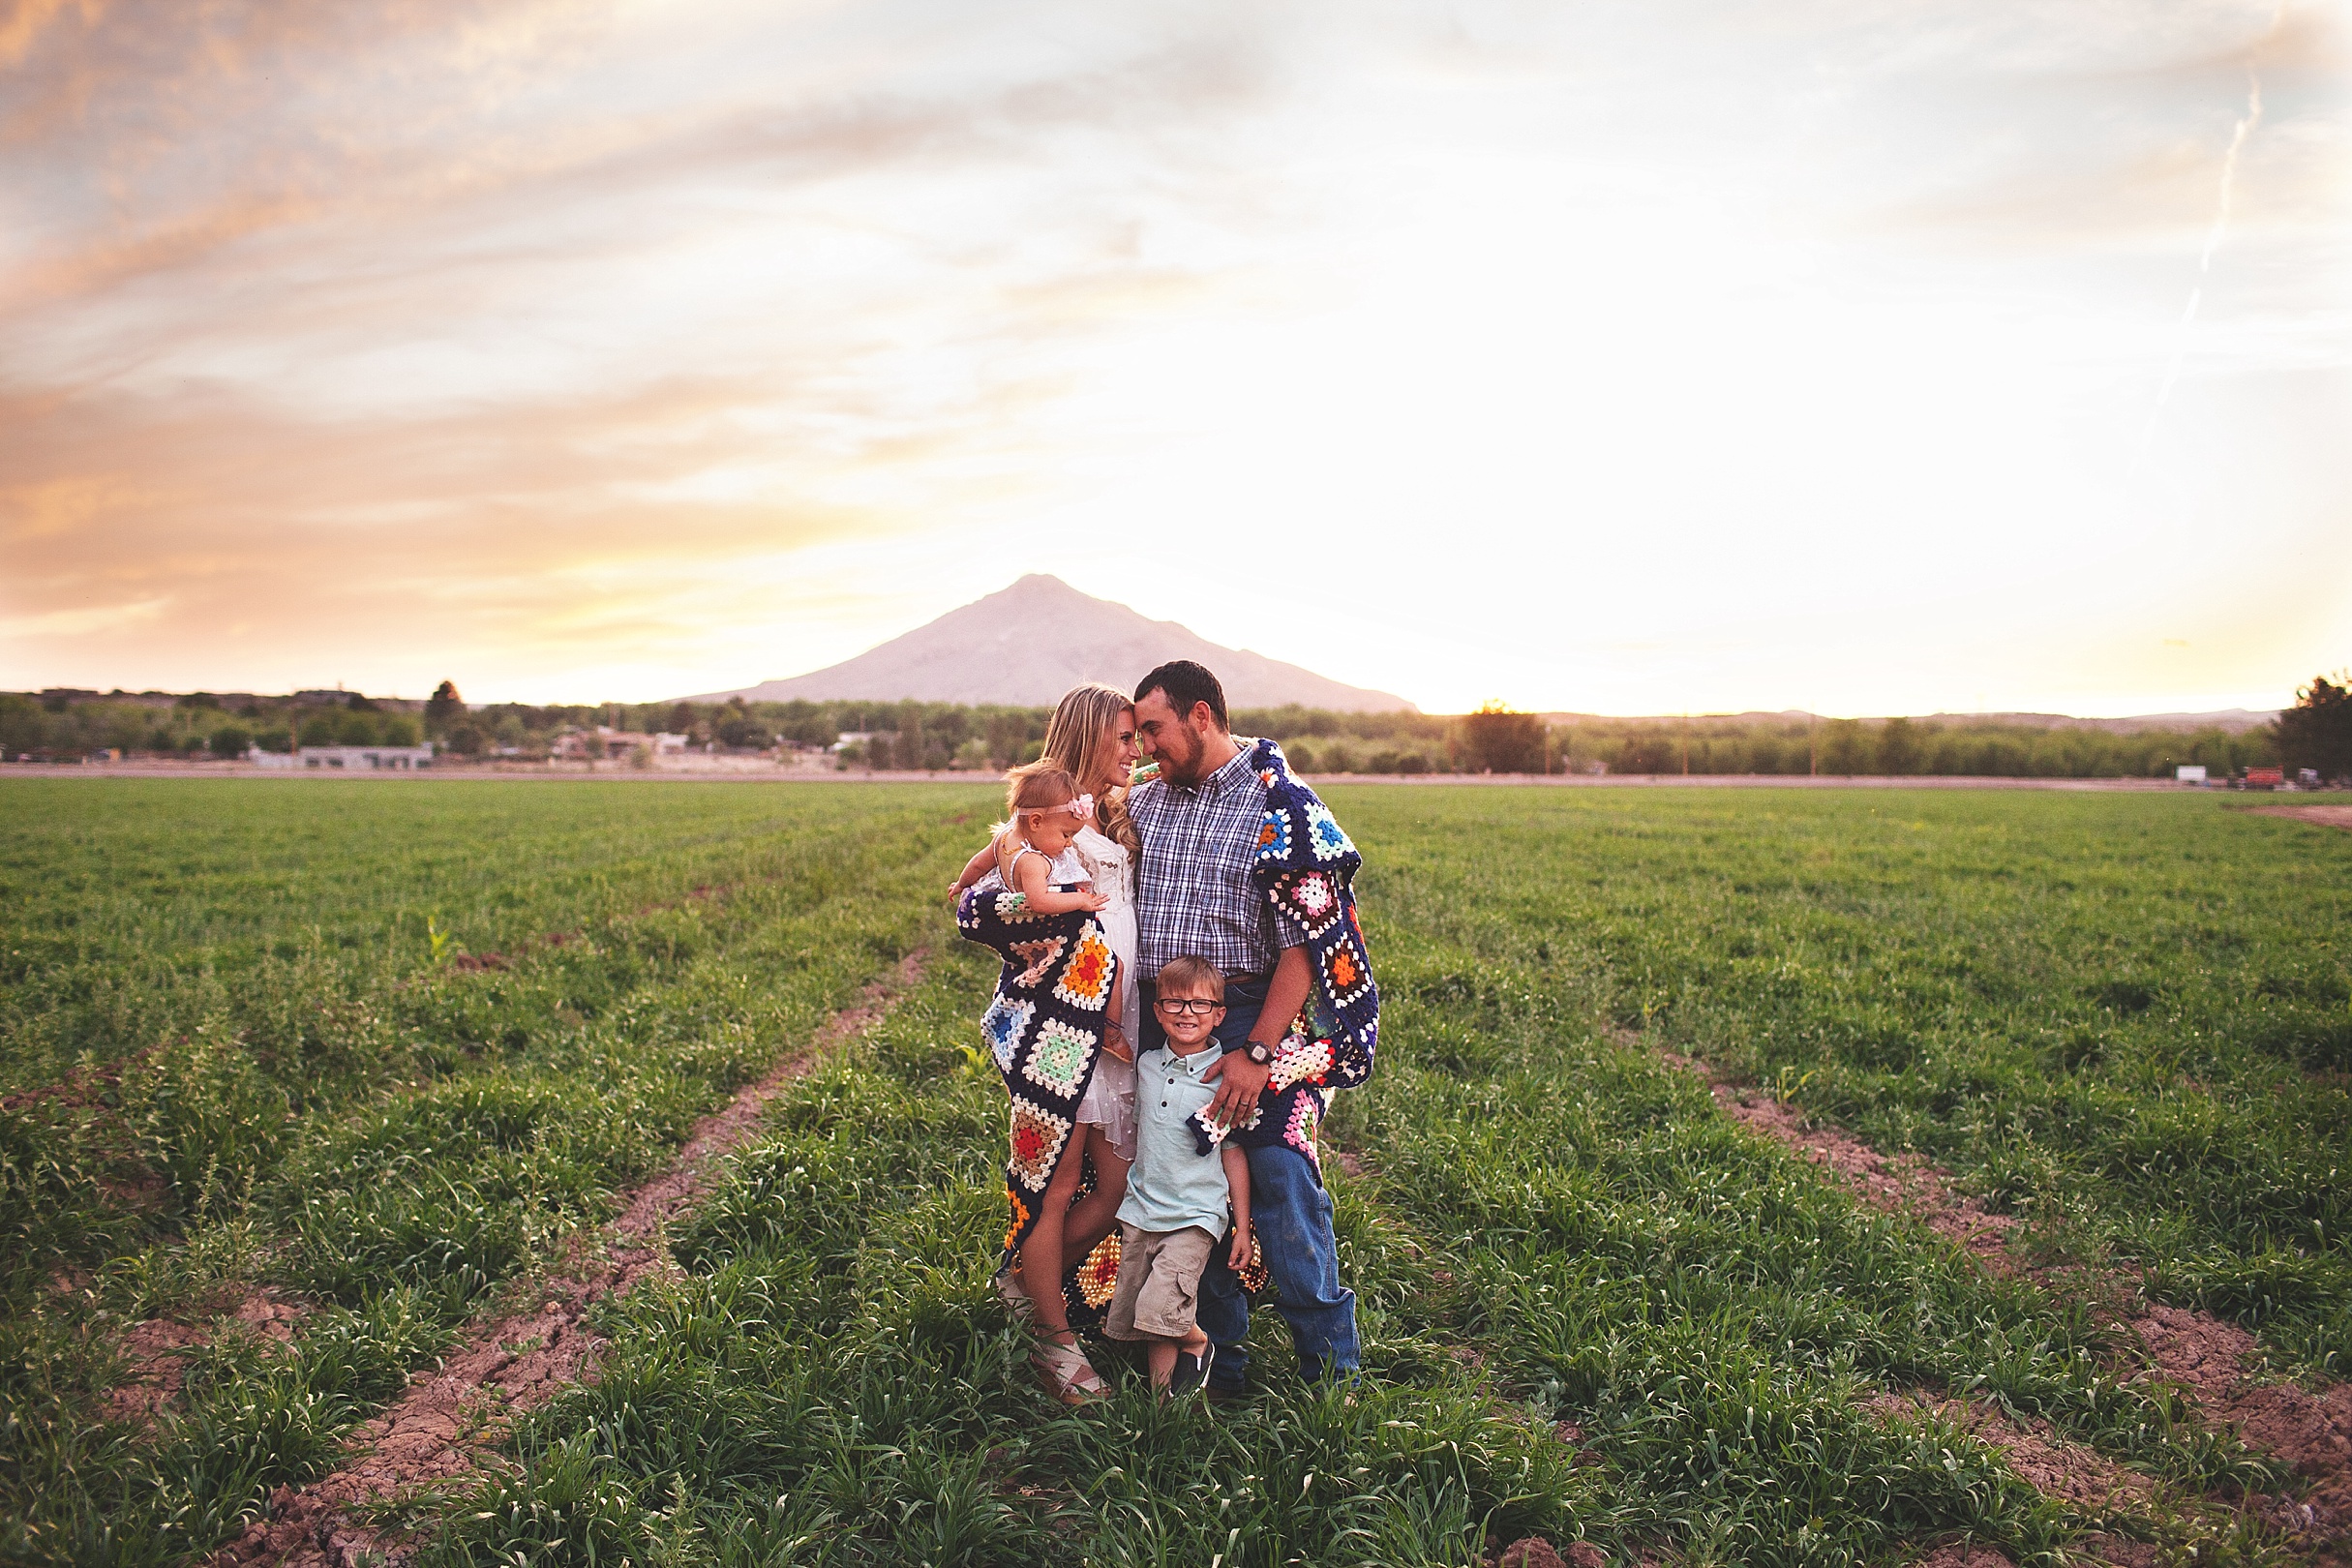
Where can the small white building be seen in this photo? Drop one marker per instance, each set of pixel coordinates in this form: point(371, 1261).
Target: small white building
point(2189, 773)
point(351, 759)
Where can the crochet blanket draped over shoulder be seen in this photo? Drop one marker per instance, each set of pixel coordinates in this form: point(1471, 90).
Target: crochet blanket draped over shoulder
point(1044, 1028)
point(1306, 865)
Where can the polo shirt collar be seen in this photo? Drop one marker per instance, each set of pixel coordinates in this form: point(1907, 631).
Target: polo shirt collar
point(1196, 1064)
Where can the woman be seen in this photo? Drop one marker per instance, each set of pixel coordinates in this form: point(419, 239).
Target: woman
point(1092, 736)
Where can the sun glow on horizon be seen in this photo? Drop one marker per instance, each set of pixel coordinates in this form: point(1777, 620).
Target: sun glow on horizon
point(1636, 359)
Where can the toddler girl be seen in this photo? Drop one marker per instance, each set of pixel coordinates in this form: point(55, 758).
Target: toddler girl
point(1035, 853)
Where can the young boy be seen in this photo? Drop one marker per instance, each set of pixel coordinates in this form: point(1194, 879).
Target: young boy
point(1176, 1201)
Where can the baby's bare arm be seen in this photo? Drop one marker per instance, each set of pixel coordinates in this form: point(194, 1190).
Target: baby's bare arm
point(1032, 876)
point(975, 868)
point(1237, 1180)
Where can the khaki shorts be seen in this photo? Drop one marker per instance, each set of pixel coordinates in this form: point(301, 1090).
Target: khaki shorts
point(1158, 1290)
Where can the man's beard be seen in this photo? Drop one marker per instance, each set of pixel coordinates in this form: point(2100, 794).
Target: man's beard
point(1180, 759)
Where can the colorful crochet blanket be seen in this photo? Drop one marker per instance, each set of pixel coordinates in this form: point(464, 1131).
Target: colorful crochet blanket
point(1306, 865)
point(1044, 1028)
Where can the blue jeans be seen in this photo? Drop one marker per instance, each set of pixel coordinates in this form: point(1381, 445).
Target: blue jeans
point(1291, 1209)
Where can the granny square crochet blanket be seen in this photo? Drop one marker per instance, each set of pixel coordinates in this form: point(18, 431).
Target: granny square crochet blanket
point(1306, 865)
point(1045, 1029)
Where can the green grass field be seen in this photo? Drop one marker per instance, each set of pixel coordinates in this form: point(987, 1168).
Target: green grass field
point(382, 1047)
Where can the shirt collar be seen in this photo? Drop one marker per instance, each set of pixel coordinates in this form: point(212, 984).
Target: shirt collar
point(1231, 773)
point(1196, 1064)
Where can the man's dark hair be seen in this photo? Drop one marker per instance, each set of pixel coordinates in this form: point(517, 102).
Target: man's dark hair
point(1184, 683)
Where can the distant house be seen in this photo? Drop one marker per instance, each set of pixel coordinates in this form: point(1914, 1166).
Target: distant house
point(606, 741)
point(351, 759)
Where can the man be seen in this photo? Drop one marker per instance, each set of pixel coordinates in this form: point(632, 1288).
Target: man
point(1196, 895)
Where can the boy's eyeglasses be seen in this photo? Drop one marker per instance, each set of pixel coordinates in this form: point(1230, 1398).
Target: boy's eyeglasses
point(1183, 1005)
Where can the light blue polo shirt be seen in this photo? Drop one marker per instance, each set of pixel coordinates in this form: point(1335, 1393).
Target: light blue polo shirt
point(1172, 1186)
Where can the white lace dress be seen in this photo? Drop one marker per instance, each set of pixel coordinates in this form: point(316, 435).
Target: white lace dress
point(1110, 1095)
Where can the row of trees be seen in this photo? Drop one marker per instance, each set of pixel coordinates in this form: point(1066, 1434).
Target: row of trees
point(2316, 733)
point(1497, 739)
point(935, 735)
point(196, 725)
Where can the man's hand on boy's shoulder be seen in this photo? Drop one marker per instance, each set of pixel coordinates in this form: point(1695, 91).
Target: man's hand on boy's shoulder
point(1239, 1082)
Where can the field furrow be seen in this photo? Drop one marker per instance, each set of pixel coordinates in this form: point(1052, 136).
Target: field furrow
point(393, 1180)
point(2026, 1084)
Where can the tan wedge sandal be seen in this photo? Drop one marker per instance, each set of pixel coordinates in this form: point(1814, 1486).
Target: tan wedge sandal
point(1017, 1304)
point(1065, 1371)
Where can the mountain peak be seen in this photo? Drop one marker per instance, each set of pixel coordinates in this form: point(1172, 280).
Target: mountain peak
point(1037, 637)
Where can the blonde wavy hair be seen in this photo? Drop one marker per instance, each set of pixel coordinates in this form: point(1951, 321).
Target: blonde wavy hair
point(1076, 738)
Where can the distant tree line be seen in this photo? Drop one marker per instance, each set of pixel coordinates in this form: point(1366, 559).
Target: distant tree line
point(1499, 741)
point(54, 725)
point(2316, 733)
point(902, 735)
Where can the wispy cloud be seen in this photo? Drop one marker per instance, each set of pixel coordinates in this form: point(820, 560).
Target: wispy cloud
point(589, 341)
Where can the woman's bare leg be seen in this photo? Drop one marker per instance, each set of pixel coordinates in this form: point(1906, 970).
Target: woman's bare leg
point(1041, 1267)
point(1096, 1215)
point(1066, 1232)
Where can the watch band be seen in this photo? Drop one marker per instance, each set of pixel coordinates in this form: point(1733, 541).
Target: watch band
point(1259, 1051)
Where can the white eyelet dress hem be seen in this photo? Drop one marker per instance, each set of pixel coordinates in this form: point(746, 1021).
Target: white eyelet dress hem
point(1109, 1102)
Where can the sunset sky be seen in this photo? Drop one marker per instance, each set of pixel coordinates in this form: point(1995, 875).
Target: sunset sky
point(1617, 355)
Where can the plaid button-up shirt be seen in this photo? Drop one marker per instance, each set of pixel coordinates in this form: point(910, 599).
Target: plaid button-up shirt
point(1194, 891)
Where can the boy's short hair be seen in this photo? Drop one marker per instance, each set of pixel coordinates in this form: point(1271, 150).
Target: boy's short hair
point(1191, 974)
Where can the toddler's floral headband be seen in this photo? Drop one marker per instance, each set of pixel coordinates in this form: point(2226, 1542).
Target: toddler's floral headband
point(1081, 809)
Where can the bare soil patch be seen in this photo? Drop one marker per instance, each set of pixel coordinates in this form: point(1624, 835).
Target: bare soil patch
point(2220, 1364)
point(2327, 816)
point(1900, 1184)
point(2216, 1362)
point(1965, 1556)
point(1534, 1552)
point(156, 1351)
point(439, 1429)
point(2046, 1461)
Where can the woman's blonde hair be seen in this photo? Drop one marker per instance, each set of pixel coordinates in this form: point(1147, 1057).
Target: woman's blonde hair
point(1075, 739)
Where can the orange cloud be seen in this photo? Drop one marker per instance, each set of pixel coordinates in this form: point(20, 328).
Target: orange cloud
point(21, 27)
point(449, 531)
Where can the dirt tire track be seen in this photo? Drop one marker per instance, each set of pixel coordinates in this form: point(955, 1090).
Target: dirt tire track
point(2326, 816)
point(2218, 1363)
point(439, 1429)
point(1899, 1183)
point(2082, 1477)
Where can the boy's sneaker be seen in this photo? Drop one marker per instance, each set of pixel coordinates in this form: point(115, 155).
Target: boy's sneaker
point(1191, 1374)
